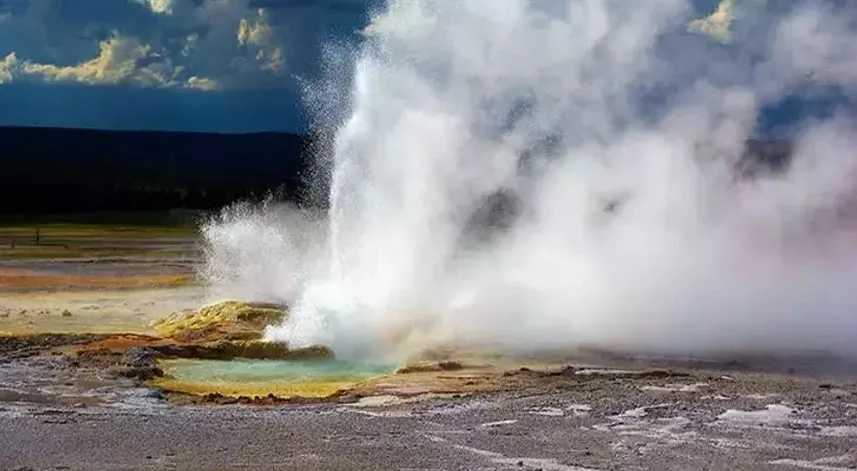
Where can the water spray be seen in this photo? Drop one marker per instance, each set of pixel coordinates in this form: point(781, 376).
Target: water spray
point(612, 130)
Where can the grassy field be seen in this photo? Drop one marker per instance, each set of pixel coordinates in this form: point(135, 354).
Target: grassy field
point(43, 252)
point(186, 219)
point(97, 251)
point(92, 236)
point(31, 231)
point(63, 241)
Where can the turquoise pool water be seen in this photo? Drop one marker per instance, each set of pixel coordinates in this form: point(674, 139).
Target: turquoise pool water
point(264, 371)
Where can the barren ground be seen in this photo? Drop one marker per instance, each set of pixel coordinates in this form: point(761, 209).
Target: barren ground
point(63, 410)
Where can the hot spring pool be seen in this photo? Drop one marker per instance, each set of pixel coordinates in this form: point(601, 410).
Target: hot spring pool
point(263, 377)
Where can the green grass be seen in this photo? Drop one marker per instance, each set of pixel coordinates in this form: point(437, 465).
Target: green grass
point(92, 236)
point(27, 233)
point(47, 252)
point(121, 220)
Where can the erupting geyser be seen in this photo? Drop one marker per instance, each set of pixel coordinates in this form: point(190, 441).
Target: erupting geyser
point(611, 132)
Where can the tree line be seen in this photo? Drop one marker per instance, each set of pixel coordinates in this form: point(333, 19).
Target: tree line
point(55, 171)
point(63, 171)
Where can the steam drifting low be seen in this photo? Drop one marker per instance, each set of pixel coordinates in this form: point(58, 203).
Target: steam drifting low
point(524, 175)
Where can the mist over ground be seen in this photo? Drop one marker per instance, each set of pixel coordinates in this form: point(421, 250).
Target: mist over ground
point(614, 129)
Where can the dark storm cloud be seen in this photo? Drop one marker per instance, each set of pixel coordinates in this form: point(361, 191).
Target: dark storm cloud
point(95, 106)
point(69, 32)
point(207, 44)
point(151, 63)
point(199, 50)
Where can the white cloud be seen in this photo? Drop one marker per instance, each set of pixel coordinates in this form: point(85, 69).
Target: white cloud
point(159, 6)
point(120, 61)
point(209, 44)
point(722, 24)
point(202, 83)
point(718, 24)
point(6, 68)
point(256, 34)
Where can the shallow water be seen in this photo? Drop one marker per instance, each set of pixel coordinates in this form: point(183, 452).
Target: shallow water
point(263, 377)
point(257, 371)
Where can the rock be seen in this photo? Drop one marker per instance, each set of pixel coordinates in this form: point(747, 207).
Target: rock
point(139, 357)
point(449, 365)
point(43, 342)
point(229, 320)
point(137, 363)
point(138, 373)
point(427, 367)
point(66, 313)
point(156, 394)
point(97, 352)
point(659, 374)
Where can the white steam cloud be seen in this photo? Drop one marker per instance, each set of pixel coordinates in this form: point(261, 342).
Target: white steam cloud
point(632, 232)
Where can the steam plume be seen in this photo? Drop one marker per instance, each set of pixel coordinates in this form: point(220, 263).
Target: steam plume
point(613, 134)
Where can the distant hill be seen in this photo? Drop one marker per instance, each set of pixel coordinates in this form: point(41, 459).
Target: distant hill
point(55, 170)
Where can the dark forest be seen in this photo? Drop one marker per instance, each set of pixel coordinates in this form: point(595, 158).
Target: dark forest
point(54, 171)
point(61, 171)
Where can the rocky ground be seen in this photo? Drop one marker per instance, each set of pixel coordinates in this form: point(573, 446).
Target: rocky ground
point(572, 419)
point(77, 365)
point(79, 401)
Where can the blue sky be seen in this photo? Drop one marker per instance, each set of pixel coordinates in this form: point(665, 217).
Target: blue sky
point(202, 65)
